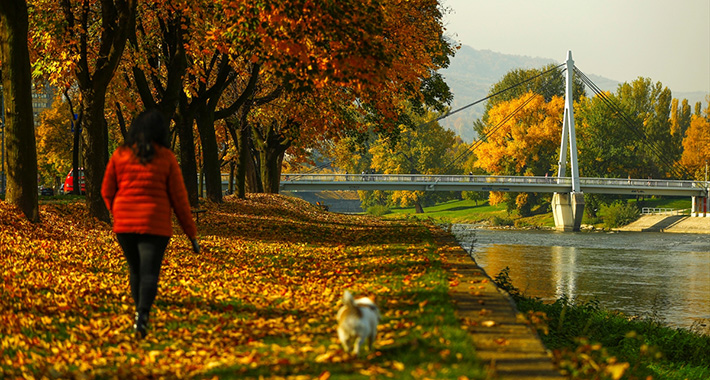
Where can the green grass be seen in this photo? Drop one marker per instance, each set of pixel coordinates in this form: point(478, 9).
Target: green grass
point(60, 199)
point(468, 212)
point(456, 211)
point(674, 203)
point(431, 343)
point(259, 300)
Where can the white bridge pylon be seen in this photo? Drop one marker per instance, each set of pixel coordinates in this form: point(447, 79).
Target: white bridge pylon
point(568, 208)
point(568, 132)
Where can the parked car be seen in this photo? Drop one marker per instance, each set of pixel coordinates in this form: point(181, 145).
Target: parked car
point(68, 185)
point(46, 191)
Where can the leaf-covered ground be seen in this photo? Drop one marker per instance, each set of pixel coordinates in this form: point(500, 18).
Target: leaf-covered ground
point(259, 300)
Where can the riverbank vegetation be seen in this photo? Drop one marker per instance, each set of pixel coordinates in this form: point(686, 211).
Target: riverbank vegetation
point(590, 342)
point(481, 212)
point(259, 301)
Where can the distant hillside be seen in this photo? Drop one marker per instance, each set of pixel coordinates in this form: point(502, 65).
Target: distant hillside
point(472, 72)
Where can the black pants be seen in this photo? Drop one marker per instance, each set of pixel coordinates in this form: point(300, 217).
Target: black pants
point(144, 254)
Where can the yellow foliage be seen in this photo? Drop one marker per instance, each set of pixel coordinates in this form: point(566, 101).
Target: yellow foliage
point(529, 139)
point(262, 294)
point(54, 142)
point(496, 197)
point(406, 198)
point(695, 144)
point(521, 200)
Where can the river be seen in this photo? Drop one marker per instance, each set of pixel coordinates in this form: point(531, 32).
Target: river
point(664, 276)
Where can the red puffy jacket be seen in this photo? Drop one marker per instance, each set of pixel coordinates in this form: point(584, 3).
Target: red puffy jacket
point(140, 196)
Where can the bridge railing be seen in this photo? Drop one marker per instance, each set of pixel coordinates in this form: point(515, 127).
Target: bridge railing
point(663, 211)
point(426, 178)
point(642, 182)
point(436, 178)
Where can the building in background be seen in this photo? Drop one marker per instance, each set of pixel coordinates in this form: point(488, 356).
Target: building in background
point(42, 98)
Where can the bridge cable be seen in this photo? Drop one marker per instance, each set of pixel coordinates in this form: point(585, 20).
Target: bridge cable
point(474, 145)
point(675, 168)
point(490, 132)
point(480, 141)
point(492, 95)
point(312, 170)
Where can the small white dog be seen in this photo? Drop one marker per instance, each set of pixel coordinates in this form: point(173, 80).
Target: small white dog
point(357, 321)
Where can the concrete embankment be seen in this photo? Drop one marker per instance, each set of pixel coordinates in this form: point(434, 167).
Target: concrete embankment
point(504, 339)
point(669, 223)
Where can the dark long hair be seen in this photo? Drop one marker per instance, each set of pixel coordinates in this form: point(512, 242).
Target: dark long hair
point(147, 128)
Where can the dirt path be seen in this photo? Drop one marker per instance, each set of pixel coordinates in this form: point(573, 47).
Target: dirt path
point(509, 347)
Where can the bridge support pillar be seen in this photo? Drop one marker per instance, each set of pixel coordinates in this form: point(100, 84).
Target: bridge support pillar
point(567, 209)
point(701, 207)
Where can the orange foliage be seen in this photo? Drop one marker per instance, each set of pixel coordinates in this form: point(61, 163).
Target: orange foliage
point(695, 144)
point(527, 144)
point(261, 296)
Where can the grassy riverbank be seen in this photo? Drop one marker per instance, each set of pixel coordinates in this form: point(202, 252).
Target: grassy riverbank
point(589, 342)
point(259, 301)
point(470, 212)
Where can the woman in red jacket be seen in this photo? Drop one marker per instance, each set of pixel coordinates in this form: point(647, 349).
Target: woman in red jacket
point(141, 185)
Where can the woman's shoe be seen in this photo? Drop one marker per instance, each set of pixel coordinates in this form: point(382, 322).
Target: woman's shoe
point(141, 325)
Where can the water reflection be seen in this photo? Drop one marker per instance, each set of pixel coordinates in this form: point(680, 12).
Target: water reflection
point(664, 276)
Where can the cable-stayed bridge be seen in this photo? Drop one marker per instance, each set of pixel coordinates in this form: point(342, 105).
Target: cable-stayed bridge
point(414, 182)
point(568, 199)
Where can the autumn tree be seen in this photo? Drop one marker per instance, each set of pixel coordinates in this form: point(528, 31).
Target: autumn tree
point(426, 148)
point(680, 119)
point(85, 39)
point(202, 59)
point(310, 121)
point(155, 66)
point(696, 153)
point(522, 139)
point(54, 142)
point(419, 147)
point(390, 54)
point(548, 81)
point(17, 106)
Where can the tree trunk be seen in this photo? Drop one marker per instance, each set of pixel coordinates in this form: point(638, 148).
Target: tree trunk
point(271, 147)
point(271, 171)
point(17, 98)
point(76, 178)
point(418, 209)
point(243, 150)
point(243, 133)
point(76, 130)
point(93, 84)
point(253, 175)
point(96, 149)
point(210, 155)
point(188, 162)
point(232, 168)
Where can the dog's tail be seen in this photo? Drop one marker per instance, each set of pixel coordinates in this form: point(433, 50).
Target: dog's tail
point(348, 299)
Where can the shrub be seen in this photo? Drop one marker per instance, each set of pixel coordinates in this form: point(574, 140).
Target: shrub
point(378, 210)
point(619, 214)
point(501, 221)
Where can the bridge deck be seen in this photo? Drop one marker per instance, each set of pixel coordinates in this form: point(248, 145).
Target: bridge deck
point(319, 182)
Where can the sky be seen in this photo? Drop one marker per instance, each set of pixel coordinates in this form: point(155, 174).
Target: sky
point(667, 41)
